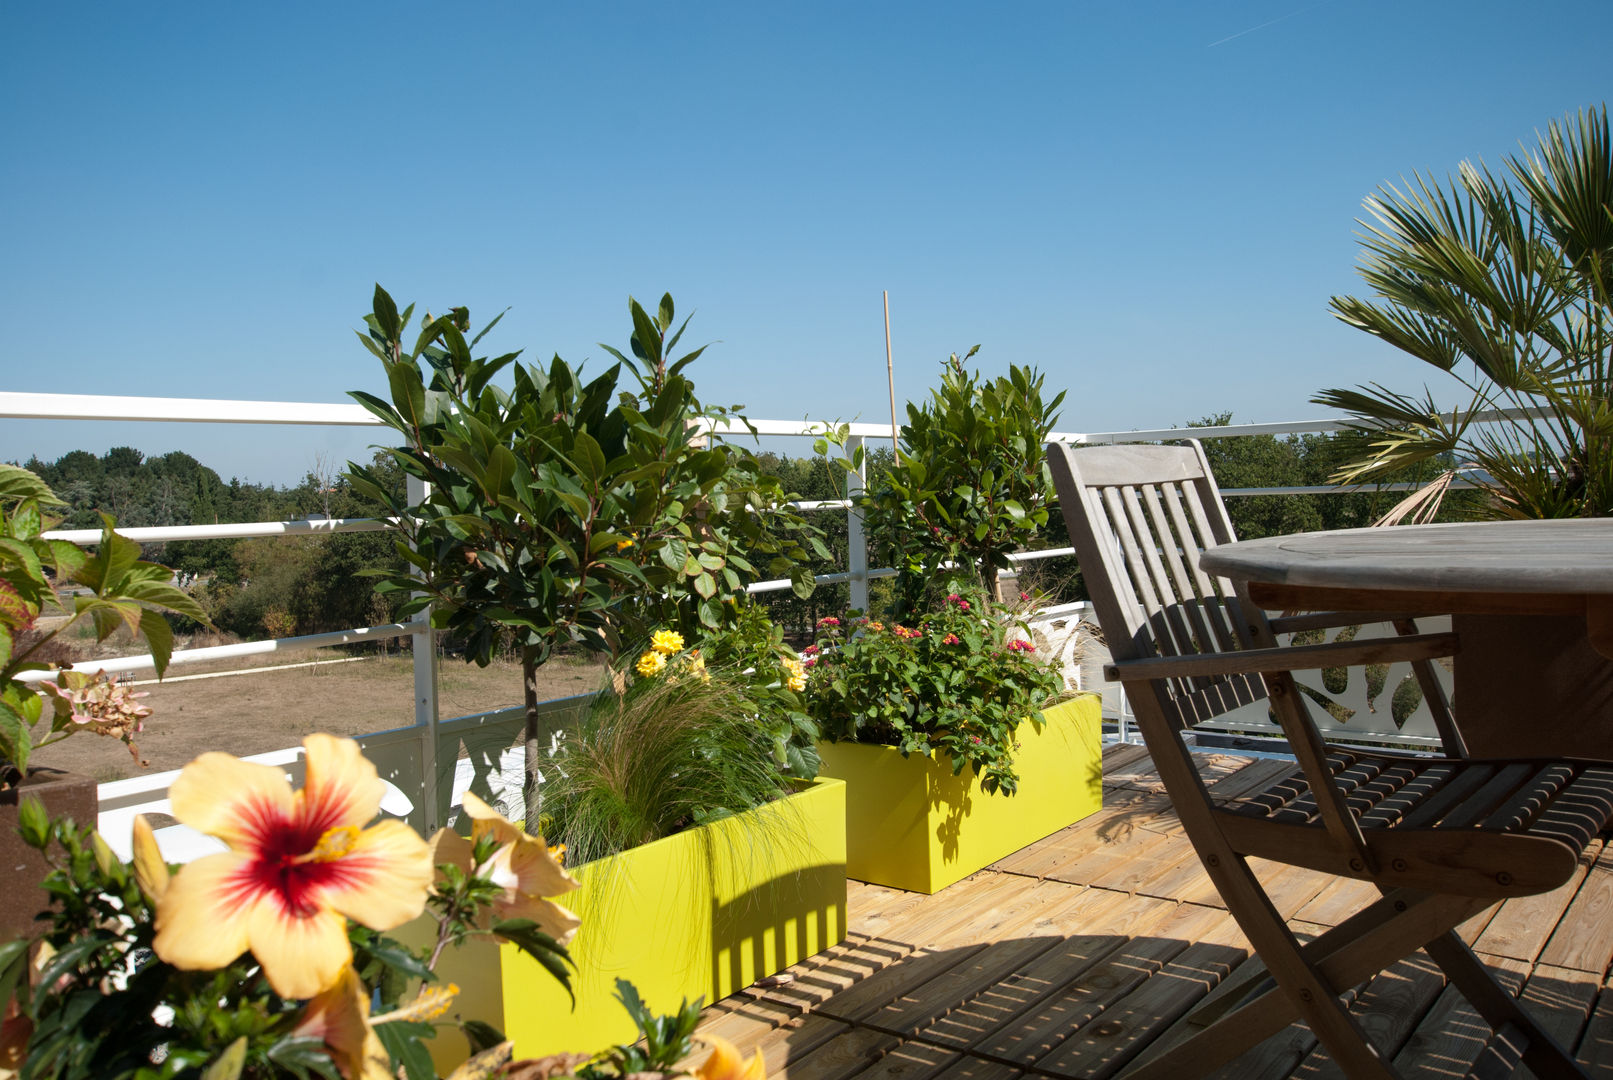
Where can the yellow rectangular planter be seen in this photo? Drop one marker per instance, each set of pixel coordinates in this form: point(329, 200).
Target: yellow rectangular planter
point(916, 826)
point(700, 914)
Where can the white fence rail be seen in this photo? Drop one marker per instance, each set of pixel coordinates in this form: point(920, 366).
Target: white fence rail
point(423, 761)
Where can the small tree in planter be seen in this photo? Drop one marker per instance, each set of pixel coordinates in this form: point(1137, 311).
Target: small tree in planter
point(560, 511)
point(968, 486)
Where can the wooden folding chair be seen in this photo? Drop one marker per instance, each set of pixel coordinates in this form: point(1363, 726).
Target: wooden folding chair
point(1442, 838)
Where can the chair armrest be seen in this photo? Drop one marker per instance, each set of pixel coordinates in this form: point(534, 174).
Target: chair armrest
point(1293, 658)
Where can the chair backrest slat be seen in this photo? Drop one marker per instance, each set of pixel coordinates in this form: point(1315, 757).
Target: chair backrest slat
point(1147, 508)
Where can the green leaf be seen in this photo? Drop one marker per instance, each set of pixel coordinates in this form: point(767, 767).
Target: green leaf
point(304, 1054)
point(525, 935)
point(228, 1065)
point(481, 1036)
point(33, 823)
point(386, 314)
point(404, 1042)
point(159, 638)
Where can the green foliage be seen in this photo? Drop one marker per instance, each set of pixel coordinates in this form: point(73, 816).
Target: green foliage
point(772, 689)
point(969, 486)
point(961, 681)
point(664, 1041)
point(1501, 283)
point(666, 751)
point(564, 510)
point(118, 589)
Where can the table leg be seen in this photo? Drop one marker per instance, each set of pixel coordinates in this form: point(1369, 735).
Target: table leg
point(1532, 686)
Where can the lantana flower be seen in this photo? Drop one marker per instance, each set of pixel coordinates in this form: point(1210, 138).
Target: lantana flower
point(527, 869)
point(796, 678)
point(300, 864)
point(651, 663)
point(666, 642)
point(340, 1017)
point(1021, 645)
point(950, 639)
point(828, 620)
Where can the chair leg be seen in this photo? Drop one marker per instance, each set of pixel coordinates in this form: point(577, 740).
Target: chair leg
point(1544, 1055)
point(1308, 992)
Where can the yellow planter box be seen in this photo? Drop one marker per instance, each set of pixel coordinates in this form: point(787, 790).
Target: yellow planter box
point(700, 914)
point(916, 826)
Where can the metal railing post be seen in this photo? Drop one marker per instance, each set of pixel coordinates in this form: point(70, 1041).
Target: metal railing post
point(424, 646)
point(856, 542)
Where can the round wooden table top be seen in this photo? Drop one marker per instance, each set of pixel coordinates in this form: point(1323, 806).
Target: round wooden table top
point(1562, 558)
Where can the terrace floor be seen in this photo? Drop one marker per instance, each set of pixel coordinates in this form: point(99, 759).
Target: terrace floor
point(1066, 959)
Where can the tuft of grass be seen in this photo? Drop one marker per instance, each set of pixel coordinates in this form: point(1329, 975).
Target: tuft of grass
point(663, 756)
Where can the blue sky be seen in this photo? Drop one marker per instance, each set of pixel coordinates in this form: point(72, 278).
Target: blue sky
point(1151, 203)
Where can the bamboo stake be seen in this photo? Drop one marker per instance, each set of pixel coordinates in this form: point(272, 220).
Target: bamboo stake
point(890, 374)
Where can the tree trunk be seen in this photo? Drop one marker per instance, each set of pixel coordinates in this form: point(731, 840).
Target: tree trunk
point(532, 797)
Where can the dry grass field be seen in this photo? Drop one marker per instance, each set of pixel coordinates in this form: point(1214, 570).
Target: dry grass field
point(258, 711)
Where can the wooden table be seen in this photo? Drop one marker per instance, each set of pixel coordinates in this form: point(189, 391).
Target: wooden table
point(1532, 602)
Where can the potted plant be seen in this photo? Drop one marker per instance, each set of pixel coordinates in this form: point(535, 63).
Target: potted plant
point(952, 755)
point(560, 512)
point(111, 588)
point(703, 864)
point(933, 713)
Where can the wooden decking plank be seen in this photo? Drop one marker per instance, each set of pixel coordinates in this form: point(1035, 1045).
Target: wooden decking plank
point(780, 1046)
point(939, 914)
point(1125, 863)
point(1521, 925)
point(968, 1067)
point(1039, 1031)
point(919, 1008)
point(1452, 1033)
point(818, 978)
point(1187, 1026)
point(1094, 923)
point(1584, 937)
point(1110, 1041)
point(1117, 821)
point(1121, 761)
point(1595, 1051)
point(1388, 1009)
point(1338, 901)
point(883, 987)
point(822, 1054)
point(1560, 1000)
point(871, 909)
point(1018, 911)
point(905, 1061)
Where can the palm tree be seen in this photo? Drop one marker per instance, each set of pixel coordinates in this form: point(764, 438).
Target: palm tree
point(1501, 283)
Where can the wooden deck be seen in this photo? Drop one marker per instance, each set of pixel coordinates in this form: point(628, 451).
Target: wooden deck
point(1068, 958)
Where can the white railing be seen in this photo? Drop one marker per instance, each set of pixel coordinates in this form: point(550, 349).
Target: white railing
point(422, 761)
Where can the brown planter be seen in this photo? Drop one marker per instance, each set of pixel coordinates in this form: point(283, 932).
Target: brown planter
point(22, 869)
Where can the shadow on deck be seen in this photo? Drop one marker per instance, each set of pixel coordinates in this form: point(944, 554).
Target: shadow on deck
point(1070, 957)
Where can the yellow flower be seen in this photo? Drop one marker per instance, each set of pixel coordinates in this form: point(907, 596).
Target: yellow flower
point(726, 1064)
point(697, 666)
point(300, 865)
point(150, 870)
point(797, 674)
point(523, 866)
point(340, 1016)
point(666, 642)
point(651, 663)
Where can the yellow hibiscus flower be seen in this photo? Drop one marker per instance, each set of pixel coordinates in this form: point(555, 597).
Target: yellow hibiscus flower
point(526, 868)
point(340, 1016)
point(300, 864)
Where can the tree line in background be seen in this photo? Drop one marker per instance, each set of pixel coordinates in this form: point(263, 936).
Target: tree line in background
point(273, 586)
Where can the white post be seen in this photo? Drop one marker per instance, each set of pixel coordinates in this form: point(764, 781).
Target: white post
point(856, 542)
point(424, 645)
